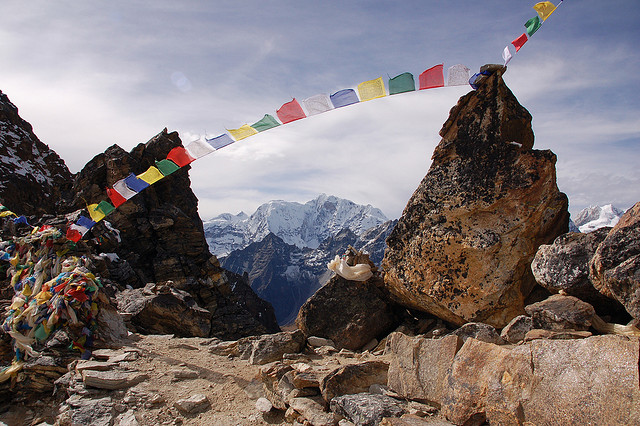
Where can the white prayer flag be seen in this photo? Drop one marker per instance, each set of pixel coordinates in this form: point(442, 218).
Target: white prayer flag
point(199, 148)
point(123, 189)
point(317, 104)
point(506, 55)
point(458, 75)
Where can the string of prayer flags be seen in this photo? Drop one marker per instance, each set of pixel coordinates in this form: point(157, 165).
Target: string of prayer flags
point(116, 198)
point(123, 190)
point(544, 9)
point(151, 176)
point(318, 104)
point(344, 97)
point(458, 75)
point(433, 77)
point(242, 132)
point(105, 207)
point(371, 89)
point(520, 41)
point(220, 141)
point(533, 25)
point(267, 122)
point(167, 167)
point(402, 83)
point(96, 215)
point(180, 156)
point(134, 183)
point(290, 111)
point(199, 148)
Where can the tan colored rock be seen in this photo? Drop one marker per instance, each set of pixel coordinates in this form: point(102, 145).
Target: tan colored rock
point(312, 409)
point(466, 238)
point(354, 378)
point(419, 366)
point(560, 312)
point(112, 380)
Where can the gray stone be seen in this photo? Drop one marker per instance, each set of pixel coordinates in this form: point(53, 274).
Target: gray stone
point(312, 409)
point(559, 312)
point(353, 378)
point(517, 329)
point(419, 365)
point(366, 409)
point(271, 347)
point(316, 341)
point(479, 331)
point(194, 404)
point(264, 405)
point(127, 419)
point(88, 411)
point(112, 380)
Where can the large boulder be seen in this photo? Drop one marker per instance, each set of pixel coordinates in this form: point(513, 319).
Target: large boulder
point(350, 313)
point(463, 247)
point(564, 266)
point(615, 267)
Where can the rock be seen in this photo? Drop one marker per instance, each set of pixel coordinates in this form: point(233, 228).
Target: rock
point(479, 331)
point(463, 246)
point(194, 404)
point(564, 266)
point(353, 378)
point(615, 267)
point(312, 409)
point(272, 376)
point(538, 333)
point(271, 347)
point(127, 419)
point(316, 341)
point(165, 312)
point(112, 380)
point(350, 313)
point(560, 312)
point(419, 366)
point(410, 420)
point(184, 374)
point(111, 325)
point(264, 405)
point(517, 329)
point(587, 381)
point(366, 409)
point(88, 411)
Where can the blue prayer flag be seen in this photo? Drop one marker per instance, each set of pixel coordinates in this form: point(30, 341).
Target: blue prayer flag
point(134, 183)
point(344, 97)
point(221, 141)
point(85, 222)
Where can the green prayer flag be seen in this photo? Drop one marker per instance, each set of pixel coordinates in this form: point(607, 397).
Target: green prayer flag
point(267, 122)
point(532, 25)
point(166, 167)
point(105, 207)
point(402, 83)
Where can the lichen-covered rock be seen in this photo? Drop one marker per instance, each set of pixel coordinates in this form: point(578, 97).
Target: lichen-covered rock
point(517, 329)
point(564, 266)
point(479, 331)
point(559, 312)
point(615, 267)
point(466, 238)
point(353, 378)
point(350, 313)
point(366, 409)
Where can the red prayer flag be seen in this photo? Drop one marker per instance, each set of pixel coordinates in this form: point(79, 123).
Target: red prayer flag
point(520, 41)
point(291, 111)
point(180, 156)
point(433, 77)
point(73, 235)
point(115, 197)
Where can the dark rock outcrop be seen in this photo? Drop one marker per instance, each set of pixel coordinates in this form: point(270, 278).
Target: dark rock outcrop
point(615, 267)
point(350, 313)
point(33, 178)
point(560, 312)
point(466, 238)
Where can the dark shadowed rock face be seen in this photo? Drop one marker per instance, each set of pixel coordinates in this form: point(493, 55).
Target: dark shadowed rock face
point(33, 178)
point(162, 238)
point(464, 243)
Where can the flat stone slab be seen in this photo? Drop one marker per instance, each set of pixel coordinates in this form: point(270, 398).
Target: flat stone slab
point(112, 380)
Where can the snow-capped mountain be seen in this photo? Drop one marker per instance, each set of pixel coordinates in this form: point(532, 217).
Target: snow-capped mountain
point(302, 225)
point(594, 217)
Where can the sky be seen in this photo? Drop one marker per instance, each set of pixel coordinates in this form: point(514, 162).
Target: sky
point(91, 74)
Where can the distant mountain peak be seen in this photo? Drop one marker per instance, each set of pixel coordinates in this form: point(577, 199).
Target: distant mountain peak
point(302, 225)
point(594, 217)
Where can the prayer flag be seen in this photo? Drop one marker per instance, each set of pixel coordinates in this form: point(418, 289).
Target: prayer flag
point(21, 219)
point(458, 75)
point(371, 89)
point(180, 156)
point(151, 176)
point(105, 207)
point(267, 122)
point(242, 132)
point(520, 41)
point(221, 141)
point(7, 213)
point(123, 189)
point(166, 167)
point(291, 111)
point(199, 148)
point(506, 55)
point(433, 77)
point(96, 215)
point(344, 97)
point(544, 9)
point(402, 83)
point(116, 198)
point(73, 234)
point(532, 25)
point(135, 184)
point(317, 104)
point(85, 222)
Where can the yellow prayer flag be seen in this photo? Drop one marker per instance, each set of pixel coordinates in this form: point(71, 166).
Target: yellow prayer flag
point(96, 215)
point(243, 132)
point(7, 213)
point(544, 9)
point(371, 89)
point(151, 176)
